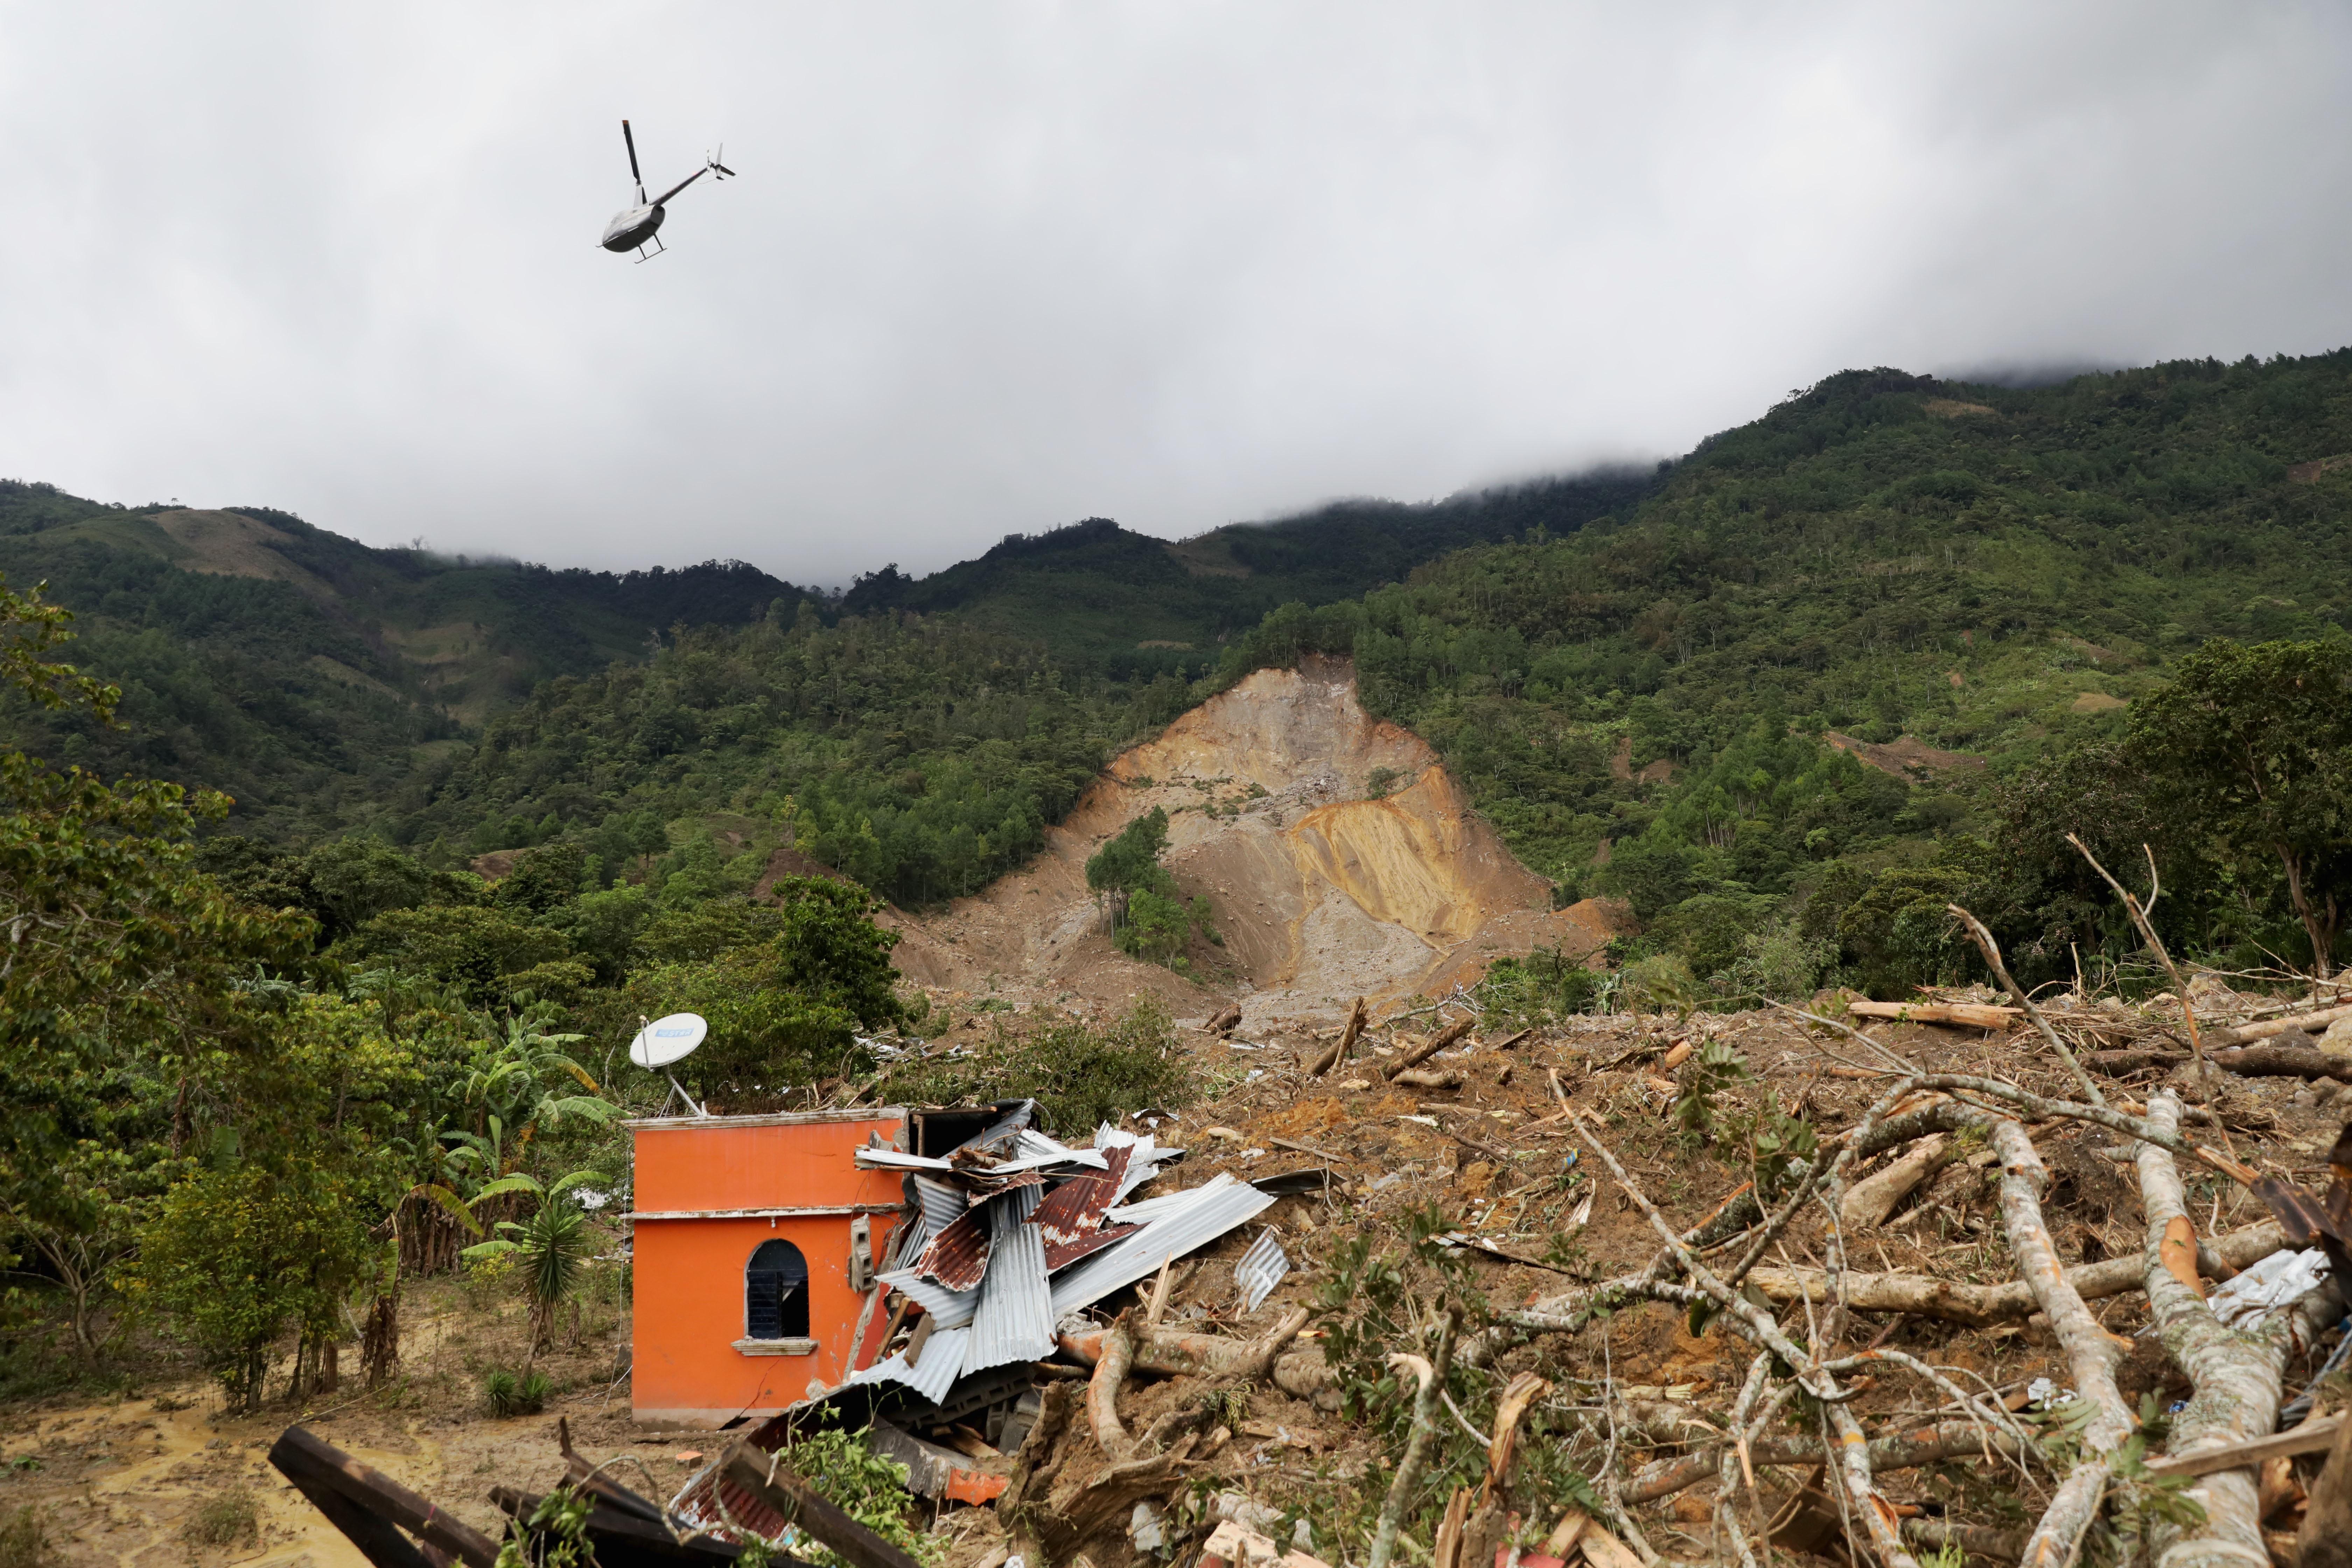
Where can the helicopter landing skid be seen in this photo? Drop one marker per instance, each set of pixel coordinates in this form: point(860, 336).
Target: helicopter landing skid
point(659, 249)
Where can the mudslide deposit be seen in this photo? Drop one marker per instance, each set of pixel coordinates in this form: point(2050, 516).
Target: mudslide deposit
point(1322, 891)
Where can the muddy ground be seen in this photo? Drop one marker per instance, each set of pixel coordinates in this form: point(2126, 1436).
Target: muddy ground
point(118, 1480)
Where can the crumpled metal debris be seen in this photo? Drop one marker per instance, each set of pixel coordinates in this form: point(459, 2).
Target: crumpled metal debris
point(2277, 1281)
point(1260, 1270)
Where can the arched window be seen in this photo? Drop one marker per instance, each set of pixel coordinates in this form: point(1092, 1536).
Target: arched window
point(775, 1293)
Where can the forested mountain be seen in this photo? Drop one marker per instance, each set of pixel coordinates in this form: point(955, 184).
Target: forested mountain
point(1825, 650)
point(1667, 706)
point(1821, 658)
point(1127, 605)
point(306, 674)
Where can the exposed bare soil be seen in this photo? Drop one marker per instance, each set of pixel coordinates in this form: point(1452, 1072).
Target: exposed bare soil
point(1339, 856)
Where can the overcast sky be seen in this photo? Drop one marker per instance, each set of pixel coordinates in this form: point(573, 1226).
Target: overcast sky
point(997, 267)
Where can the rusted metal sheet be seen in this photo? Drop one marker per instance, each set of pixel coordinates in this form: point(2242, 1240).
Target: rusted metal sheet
point(1061, 1255)
point(1074, 1211)
point(957, 1257)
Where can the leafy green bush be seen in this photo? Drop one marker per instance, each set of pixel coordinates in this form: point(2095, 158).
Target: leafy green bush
point(233, 1255)
point(867, 1486)
point(1780, 962)
point(1150, 919)
point(1081, 1077)
point(516, 1394)
point(1901, 934)
point(1712, 930)
point(1662, 983)
point(1536, 989)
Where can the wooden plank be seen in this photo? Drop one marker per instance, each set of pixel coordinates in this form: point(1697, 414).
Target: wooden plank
point(2311, 1438)
point(581, 1473)
point(298, 1453)
point(377, 1541)
point(781, 1488)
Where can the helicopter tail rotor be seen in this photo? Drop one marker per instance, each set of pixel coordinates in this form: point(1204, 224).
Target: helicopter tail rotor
point(719, 168)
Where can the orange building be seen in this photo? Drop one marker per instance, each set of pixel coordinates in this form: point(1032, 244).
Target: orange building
point(757, 1239)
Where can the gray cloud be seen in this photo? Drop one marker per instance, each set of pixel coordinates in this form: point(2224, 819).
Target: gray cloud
point(997, 267)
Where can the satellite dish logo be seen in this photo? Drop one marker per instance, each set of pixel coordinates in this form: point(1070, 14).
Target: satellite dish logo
point(670, 1034)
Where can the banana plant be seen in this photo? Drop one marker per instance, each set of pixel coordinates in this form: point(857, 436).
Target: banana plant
point(551, 1246)
point(520, 1085)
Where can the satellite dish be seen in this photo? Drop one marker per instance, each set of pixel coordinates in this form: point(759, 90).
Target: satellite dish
point(667, 1040)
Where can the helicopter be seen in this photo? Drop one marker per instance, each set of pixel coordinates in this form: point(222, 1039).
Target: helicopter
point(632, 228)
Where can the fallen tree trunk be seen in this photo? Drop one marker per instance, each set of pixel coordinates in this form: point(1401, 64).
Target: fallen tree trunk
point(1869, 1202)
point(1974, 1539)
point(1428, 1047)
point(2236, 1377)
point(2307, 1023)
point(1171, 1354)
point(1102, 1392)
point(1966, 1015)
point(1980, 1306)
point(1336, 1051)
point(2090, 1354)
point(2135, 1059)
point(1902, 1451)
point(2285, 1061)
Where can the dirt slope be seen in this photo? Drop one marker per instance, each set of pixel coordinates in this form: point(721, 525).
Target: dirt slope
point(1321, 892)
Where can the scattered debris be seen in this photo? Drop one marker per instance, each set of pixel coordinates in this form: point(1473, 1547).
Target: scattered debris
point(1260, 1271)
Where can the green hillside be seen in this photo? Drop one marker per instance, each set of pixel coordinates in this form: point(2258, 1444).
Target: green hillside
point(1821, 658)
point(305, 673)
point(1814, 664)
point(1126, 606)
point(1987, 571)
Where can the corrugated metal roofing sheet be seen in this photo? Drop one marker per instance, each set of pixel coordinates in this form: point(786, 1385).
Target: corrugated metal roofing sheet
point(941, 1204)
point(953, 1309)
point(1212, 1211)
point(1002, 1130)
point(1015, 1318)
point(1032, 1148)
point(958, 1256)
point(873, 1159)
point(1072, 1211)
point(941, 1364)
point(1151, 1209)
point(1061, 1255)
point(1260, 1270)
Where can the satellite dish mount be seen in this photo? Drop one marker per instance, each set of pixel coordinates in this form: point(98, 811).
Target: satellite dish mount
point(666, 1040)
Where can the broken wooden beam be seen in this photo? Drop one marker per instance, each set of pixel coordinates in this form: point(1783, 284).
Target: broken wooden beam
point(767, 1477)
point(623, 1539)
point(301, 1456)
point(2314, 1436)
